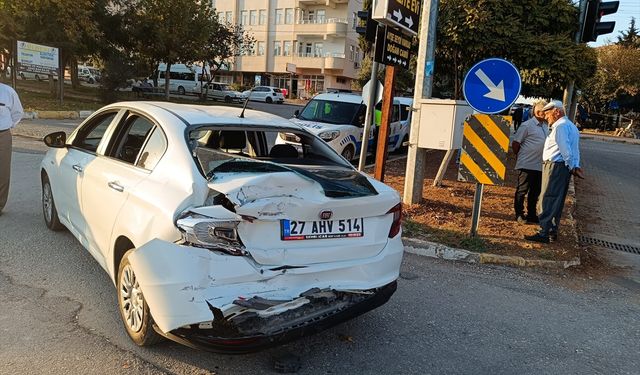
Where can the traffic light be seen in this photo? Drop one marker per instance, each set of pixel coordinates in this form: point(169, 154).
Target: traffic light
point(366, 26)
point(592, 26)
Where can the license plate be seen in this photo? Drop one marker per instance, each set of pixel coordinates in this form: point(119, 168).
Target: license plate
point(292, 230)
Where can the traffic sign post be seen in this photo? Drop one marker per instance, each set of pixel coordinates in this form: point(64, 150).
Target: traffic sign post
point(490, 86)
point(396, 48)
point(404, 14)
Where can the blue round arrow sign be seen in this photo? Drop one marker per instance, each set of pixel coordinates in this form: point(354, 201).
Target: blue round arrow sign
point(492, 85)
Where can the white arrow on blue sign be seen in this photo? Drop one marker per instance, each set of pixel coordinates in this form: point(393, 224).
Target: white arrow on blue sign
point(492, 85)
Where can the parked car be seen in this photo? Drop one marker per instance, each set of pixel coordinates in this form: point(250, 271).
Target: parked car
point(266, 94)
point(222, 91)
point(215, 236)
point(24, 75)
point(89, 74)
point(338, 118)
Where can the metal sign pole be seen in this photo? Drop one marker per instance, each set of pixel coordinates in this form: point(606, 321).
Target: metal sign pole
point(368, 118)
point(477, 203)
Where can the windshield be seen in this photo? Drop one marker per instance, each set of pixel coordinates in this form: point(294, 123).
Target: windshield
point(329, 112)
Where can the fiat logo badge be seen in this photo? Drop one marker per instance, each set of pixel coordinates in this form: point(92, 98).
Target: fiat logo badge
point(325, 215)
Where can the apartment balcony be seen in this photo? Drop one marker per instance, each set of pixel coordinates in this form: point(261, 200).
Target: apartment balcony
point(335, 27)
point(329, 3)
point(321, 62)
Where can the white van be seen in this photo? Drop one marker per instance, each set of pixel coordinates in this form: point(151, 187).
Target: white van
point(89, 74)
point(183, 79)
point(338, 118)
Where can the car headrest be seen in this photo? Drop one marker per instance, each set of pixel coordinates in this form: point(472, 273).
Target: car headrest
point(233, 139)
point(283, 151)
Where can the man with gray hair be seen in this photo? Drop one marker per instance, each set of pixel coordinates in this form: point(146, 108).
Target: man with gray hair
point(528, 143)
point(561, 159)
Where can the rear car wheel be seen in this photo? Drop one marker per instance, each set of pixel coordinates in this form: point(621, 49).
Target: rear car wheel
point(133, 309)
point(268, 100)
point(49, 207)
point(181, 90)
point(227, 99)
point(348, 153)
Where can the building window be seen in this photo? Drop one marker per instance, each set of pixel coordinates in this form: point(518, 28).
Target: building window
point(244, 17)
point(320, 16)
point(221, 16)
point(263, 16)
point(317, 49)
point(279, 16)
point(253, 16)
point(352, 53)
point(355, 20)
point(260, 48)
point(287, 48)
point(341, 80)
point(229, 16)
point(277, 48)
point(289, 16)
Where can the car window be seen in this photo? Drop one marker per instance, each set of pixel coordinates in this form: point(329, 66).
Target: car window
point(217, 146)
point(330, 112)
point(277, 90)
point(130, 137)
point(404, 112)
point(396, 113)
point(90, 135)
point(153, 150)
point(359, 119)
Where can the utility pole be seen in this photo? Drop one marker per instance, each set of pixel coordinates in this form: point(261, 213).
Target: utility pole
point(373, 87)
point(424, 82)
point(570, 102)
point(383, 132)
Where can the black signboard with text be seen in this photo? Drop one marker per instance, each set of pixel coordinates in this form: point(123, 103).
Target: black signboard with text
point(393, 49)
point(405, 14)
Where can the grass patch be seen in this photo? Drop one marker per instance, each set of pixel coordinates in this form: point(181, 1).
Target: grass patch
point(38, 101)
point(412, 228)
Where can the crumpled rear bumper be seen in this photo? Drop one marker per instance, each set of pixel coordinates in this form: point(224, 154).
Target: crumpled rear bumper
point(325, 309)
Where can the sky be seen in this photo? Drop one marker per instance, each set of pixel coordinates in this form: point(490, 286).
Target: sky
point(626, 10)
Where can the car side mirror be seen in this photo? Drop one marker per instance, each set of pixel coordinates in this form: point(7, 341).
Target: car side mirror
point(56, 140)
point(296, 113)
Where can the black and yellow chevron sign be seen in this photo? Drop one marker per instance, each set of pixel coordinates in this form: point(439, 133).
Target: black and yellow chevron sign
point(484, 149)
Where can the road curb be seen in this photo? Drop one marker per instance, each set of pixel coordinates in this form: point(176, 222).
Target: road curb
point(595, 137)
point(57, 115)
point(440, 251)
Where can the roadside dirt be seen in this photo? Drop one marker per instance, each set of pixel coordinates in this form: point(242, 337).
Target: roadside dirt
point(445, 215)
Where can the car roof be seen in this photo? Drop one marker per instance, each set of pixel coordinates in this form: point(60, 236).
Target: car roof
point(404, 100)
point(340, 97)
point(194, 114)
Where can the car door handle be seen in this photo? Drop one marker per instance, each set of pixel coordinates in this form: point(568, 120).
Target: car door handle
point(116, 186)
point(77, 168)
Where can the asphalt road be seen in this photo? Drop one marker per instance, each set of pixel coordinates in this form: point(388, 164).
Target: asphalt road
point(607, 201)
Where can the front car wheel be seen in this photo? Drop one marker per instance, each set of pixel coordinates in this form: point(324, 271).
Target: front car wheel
point(134, 311)
point(49, 206)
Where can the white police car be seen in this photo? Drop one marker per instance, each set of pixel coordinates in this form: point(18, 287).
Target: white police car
point(338, 118)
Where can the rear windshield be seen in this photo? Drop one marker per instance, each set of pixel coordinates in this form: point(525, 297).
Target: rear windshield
point(256, 149)
point(277, 90)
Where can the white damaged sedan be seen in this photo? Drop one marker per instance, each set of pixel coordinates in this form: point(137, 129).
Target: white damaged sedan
point(215, 236)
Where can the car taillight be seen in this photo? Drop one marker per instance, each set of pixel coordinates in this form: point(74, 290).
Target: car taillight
point(396, 225)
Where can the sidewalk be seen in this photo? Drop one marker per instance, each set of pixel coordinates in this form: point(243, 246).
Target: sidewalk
point(609, 138)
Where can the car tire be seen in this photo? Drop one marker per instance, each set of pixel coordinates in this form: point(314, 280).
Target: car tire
point(268, 100)
point(91, 81)
point(49, 210)
point(348, 153)
point(133, 309)
point(37, 78)
point(181, 90)
point(227, 99)
point(22, 77)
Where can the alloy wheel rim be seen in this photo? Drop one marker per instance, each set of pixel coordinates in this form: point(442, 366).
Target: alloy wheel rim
point(47, 202)
point(132, 300)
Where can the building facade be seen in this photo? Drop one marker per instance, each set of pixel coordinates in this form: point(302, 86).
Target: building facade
point(305, 46)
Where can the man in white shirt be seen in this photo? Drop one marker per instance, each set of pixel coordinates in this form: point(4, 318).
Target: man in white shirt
point(561, 159)
point(10, 114)
point(528, 143)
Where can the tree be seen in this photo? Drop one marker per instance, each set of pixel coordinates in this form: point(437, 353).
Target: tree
point(169, 31)
point(542, 47)
point(614, 80)
point(630, 38)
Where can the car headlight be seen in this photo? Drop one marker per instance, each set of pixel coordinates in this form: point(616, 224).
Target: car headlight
point(210, 233)
point(329, 135)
